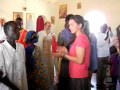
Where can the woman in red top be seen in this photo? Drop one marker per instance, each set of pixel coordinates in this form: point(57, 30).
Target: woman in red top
point(79, 55)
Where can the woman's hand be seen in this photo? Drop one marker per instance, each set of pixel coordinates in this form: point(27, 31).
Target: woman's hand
point(59, 54)
point(61, 51)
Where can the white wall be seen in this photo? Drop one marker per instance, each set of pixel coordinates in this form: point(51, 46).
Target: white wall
point(110, 8)
point(38, 7)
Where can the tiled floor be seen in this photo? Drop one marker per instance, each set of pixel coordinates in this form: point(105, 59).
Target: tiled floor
point(93, 81)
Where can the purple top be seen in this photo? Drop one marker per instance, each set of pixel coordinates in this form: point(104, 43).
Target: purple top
point(114, 59)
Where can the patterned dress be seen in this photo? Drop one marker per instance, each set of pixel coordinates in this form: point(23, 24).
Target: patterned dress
point(40, 70)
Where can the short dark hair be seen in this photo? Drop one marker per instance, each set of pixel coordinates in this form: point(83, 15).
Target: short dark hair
point(7, 25)
point(78, 19)
point(113, 50)
point(67, 18)
point(18, 19)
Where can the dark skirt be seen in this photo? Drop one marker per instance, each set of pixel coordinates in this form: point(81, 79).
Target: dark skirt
point(79, 84)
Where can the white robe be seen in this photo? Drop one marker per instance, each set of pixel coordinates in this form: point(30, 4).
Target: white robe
point(12, 63)
point(2, 34)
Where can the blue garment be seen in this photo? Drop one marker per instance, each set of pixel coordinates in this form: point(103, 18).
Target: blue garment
point(66, 34)
point(30, 62)
point(66, 38)
point(93, 60)
point(31, 37)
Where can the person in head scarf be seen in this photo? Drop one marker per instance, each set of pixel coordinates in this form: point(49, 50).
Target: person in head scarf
point(37, 72)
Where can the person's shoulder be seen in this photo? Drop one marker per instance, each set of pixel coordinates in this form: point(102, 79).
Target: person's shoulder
point(25, 30)
point(114, 56)
point(82, 36)
point(65, 30)
point(41, 32)
point(100, 35)
point(20, 45)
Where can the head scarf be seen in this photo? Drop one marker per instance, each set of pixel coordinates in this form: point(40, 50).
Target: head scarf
point(31, 37)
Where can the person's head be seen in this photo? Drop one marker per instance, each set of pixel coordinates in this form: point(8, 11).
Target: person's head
point(67, 18)
point(47, 25)
point(11, 29)
point(104, 28)
point(76, 23)
point(31, 37)
point(2, 21)
point(113, 50)
point(20, 22)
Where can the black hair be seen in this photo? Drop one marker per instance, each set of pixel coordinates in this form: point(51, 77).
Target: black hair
point(67, 18)
point(113, 50)
point(18, 19)
point(7, 25)
point(104, 28)
point(78, 19)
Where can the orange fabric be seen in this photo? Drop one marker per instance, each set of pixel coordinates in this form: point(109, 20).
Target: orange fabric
point(22, 37)
point(54, 44)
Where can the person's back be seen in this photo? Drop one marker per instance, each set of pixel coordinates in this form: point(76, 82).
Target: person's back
point(66, 39)
point(102, 45)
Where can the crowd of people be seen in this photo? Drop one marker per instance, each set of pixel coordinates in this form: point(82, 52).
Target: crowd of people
point(31, 60)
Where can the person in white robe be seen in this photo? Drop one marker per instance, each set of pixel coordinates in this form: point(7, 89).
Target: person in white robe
point(12, 60)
